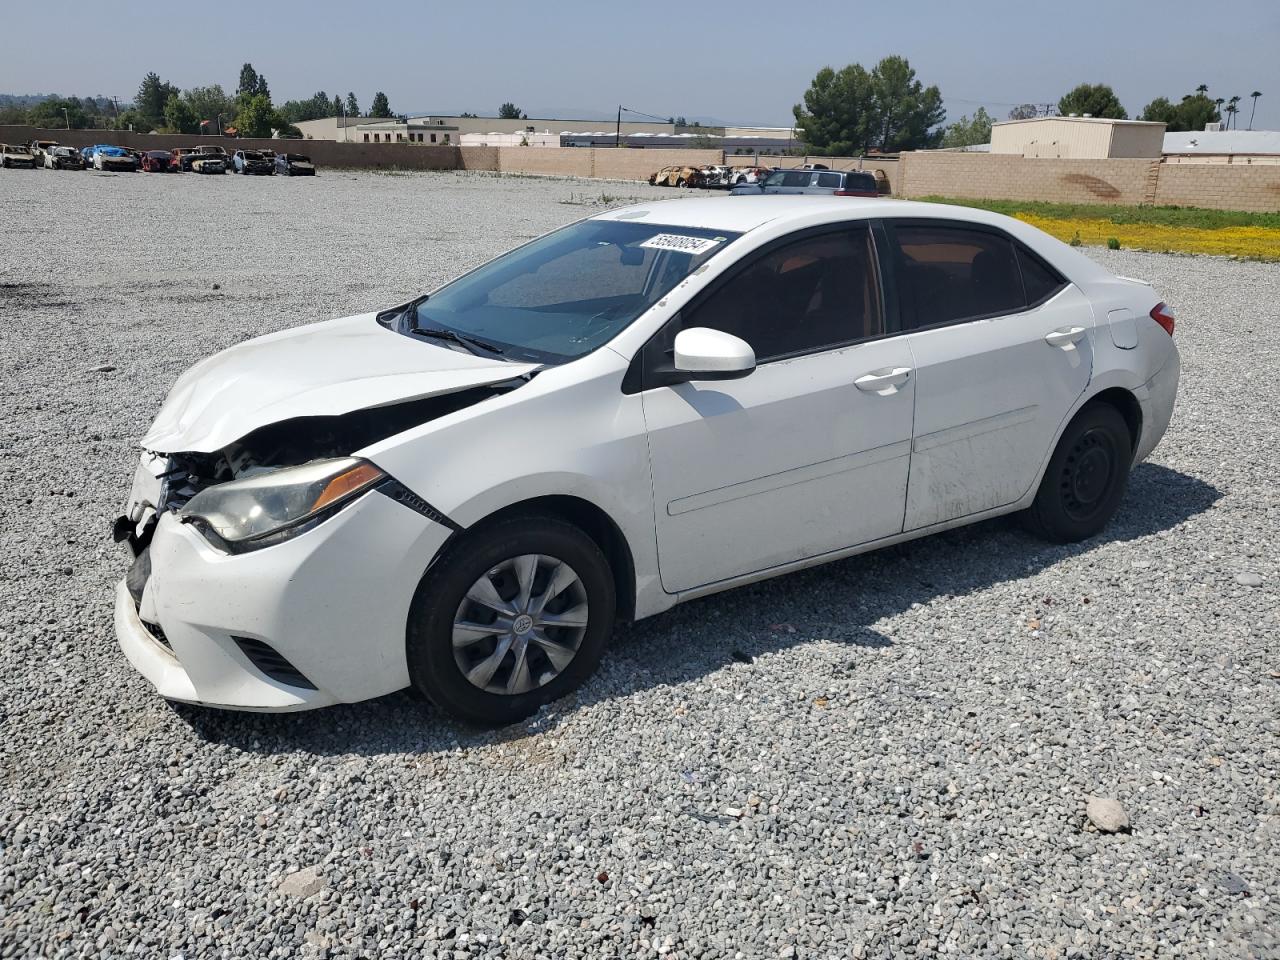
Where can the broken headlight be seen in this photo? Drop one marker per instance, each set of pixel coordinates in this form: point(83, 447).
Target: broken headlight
point(270, 507)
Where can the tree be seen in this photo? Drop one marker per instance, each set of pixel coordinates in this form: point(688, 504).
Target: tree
point(509, 111)
point(966, 133)
point(1095, 99)
point(1160, 110)
point(838, 113)
point(1254, 96)
point(207, 103)
point(257, 117)
point(381, 106)
point(1024, 111)
point(153, 96)
point(248, 81)
point(49, 114)
point(854, 110)
point(179, 117)
point(353, 105)
point(1191, 113)
point(908, 110)
point(262, 89)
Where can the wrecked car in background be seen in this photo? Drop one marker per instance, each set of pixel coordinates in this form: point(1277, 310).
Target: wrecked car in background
point(294, 165)
point(157, 161)
point(63, 158)
point(208, 163)
point(108, 157)
point(252, 161)
point(461, 493)
point(16, 155)
point(677, 176)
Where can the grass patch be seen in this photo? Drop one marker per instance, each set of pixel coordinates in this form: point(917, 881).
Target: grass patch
point(1226, 233)
point(1197, 217)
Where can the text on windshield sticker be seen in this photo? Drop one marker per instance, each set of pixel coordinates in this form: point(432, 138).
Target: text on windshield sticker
point(680, 244)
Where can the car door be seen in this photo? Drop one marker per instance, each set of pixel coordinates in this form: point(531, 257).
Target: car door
point(1000, 343)
point(806, 455)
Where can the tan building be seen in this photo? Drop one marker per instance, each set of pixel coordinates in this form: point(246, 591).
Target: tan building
point(488, 125)
point(1077, 138)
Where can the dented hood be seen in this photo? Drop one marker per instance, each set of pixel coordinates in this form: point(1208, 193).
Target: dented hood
point(322, 369)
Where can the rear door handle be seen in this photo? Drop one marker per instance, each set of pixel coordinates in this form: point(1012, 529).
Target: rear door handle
point(1064, 337)
point(883, 382)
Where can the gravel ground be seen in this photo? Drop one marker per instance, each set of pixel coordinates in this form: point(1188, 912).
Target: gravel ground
point(888, 756)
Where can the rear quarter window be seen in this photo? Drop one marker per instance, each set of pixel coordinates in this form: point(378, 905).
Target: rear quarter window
point(951, 273)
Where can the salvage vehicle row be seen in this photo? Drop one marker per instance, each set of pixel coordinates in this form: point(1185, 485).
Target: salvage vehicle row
point(206, 158)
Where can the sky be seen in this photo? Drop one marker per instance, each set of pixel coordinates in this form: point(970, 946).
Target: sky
point(742, 61)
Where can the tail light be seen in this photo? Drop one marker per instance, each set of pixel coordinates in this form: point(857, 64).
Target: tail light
point(1162, 315)
point(854, 193)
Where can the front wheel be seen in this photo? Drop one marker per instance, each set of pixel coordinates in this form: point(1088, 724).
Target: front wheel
point(514, 615)
point(1086, 477)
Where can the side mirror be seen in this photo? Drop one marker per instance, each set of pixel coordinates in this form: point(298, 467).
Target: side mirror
point(706, 354)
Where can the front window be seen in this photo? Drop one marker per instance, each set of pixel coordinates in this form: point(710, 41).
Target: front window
point(567, 293)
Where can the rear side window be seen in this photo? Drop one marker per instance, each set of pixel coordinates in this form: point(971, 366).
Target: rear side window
point(796, 178)
point(947, 274)
point(1039, 280)
point(811, 294)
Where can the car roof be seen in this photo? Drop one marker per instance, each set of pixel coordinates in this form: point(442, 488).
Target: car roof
point(742, 213)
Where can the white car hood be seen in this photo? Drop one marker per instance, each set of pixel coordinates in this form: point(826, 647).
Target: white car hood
point(322, 369)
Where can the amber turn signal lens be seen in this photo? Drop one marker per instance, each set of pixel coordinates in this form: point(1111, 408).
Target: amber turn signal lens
point(345, 483)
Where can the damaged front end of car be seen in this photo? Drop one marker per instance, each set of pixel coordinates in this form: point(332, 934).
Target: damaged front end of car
point(300, 452)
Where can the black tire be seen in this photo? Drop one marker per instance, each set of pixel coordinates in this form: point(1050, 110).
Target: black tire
point(1086, 477)
point(433, 669)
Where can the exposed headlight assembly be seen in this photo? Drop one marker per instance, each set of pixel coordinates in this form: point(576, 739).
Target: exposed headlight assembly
point(258, 511)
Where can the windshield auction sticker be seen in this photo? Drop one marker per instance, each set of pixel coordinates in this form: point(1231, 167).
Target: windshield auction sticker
point(680, 244)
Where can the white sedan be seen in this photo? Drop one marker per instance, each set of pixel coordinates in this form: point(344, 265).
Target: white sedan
point(463, 493)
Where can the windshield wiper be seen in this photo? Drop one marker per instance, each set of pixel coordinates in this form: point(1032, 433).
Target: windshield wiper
point(473, 344)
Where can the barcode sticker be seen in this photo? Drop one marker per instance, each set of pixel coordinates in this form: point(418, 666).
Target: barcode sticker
point(680, 243)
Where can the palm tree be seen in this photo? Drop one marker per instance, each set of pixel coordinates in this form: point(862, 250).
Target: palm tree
point(1255, 95)
point(1202, 89)
point(1219, 103)
point(1231, 112)
point(1233, 109)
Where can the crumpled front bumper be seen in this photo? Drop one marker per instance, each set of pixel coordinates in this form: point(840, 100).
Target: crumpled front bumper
point(333, 602)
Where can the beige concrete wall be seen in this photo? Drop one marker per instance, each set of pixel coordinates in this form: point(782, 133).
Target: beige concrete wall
point(1220, 186)
point(478, 158)
point(608, 163)
point(623, 164)
point(1250, 187)
point(993, 176)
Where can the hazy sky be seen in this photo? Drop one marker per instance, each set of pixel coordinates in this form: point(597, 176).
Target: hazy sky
point(740, 61)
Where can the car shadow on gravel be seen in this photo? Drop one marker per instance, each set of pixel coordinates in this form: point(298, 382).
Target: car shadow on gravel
point(840, 602)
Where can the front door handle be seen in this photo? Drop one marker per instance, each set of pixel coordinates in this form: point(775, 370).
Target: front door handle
point(1064, 337)
point(883, 382)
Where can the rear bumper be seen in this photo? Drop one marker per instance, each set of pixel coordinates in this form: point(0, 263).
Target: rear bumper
point(1157, 398)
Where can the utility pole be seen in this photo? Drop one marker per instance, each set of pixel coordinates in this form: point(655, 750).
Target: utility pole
point(66, 118)
point(617, 137)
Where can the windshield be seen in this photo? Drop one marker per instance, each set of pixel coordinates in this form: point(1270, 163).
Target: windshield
point(567, 293)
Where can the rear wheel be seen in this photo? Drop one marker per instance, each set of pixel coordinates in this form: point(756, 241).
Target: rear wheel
point(514, 615)
point(1086, 477)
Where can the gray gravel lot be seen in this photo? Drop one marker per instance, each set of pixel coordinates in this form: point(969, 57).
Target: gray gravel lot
point(888, 756)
